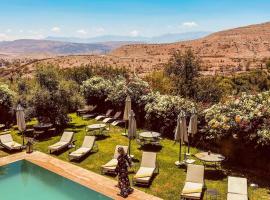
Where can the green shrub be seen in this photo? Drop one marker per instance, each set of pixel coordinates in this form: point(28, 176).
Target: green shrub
point(183, 68)
point(79, 74)
point(7, 97)
point(162, 111)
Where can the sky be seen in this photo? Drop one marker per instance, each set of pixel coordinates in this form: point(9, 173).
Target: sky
point(38, 19)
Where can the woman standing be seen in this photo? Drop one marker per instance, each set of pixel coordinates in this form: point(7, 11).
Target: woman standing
point(122, 171)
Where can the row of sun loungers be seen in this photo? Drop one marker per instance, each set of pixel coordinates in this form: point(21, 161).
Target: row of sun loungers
point(194, 184)
point(146, 171)
point(108, 117)
point(143, 176)
point(88, 145)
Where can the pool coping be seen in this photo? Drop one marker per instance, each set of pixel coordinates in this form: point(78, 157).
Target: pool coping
point(89, 179)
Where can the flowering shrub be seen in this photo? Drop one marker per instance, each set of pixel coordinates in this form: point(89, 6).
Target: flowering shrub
point(136, 88)
point(96, 90)
point(264, 136)
point(243, 117)
point(6, 103)
point(118, 92)
point(162, 111)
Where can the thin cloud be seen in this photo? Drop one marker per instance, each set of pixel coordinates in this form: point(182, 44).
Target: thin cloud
point(99, 30)
point(134, 33)
point(82, 31)
point(189, 24)
point(56, 29)
point(3, 36)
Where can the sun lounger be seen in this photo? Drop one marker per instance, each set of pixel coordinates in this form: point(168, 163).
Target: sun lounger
point(110, 166)
point(108, 114)
point(194, 184)
point(86, 110)
point(147, 169)
point(87, 146)
point(118, 122)
point(114, 118)
point(64, 142)
point(7, 142)
point(90, 114)
point(237, 188)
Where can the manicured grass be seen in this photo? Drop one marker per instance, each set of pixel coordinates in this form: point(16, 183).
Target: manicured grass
point(167, 184)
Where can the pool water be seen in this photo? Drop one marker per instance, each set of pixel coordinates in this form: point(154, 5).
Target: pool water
point(23, 180)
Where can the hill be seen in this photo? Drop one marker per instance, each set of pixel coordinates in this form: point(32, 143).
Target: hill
point(166, 38)
point(225, 52)
point(47, 47)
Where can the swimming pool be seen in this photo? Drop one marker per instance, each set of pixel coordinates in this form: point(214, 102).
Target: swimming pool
point(23, 180)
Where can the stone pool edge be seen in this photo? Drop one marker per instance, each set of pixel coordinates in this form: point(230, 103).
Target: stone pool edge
point(75, 173)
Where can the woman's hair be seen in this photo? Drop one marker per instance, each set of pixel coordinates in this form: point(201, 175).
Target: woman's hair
point(121, 151)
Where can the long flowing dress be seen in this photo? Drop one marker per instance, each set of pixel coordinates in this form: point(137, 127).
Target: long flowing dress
point(122, 172)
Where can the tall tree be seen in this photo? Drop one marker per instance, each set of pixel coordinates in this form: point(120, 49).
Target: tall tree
point(183, 69)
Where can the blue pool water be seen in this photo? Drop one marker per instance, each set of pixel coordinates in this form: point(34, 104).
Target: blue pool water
point(23, 180)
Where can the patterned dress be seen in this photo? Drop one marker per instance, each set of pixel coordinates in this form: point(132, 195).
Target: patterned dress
point(122, 172)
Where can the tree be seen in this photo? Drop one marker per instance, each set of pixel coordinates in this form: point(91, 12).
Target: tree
point(160, 82)
point(6, 104)
point(208, 90)
point(183, 69)
point(54, 97)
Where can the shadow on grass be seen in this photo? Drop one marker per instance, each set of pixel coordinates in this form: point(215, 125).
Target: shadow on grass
point(150, 183)
point(102, 137)
point(10, 151)
point(83, 157)
point(151, 148)
point(58, 153)
point(214, 174)
point(135, 160)
point(254, 176)
point(74, 126)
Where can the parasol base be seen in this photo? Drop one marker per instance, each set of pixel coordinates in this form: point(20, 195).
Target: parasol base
point(184, 162)
point(124, 134)
point(188, 154)
point(131, 156)
point(180, 163)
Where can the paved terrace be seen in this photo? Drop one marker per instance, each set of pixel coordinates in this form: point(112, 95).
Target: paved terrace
point(77, 174)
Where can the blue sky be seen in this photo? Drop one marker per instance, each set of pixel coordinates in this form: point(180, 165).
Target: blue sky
point(88, 18)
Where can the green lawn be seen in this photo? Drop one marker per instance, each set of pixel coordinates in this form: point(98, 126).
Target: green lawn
point(167, 184)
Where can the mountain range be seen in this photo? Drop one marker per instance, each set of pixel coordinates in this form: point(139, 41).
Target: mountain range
point(49, 47)
point(53, 46)
point(166, 38)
